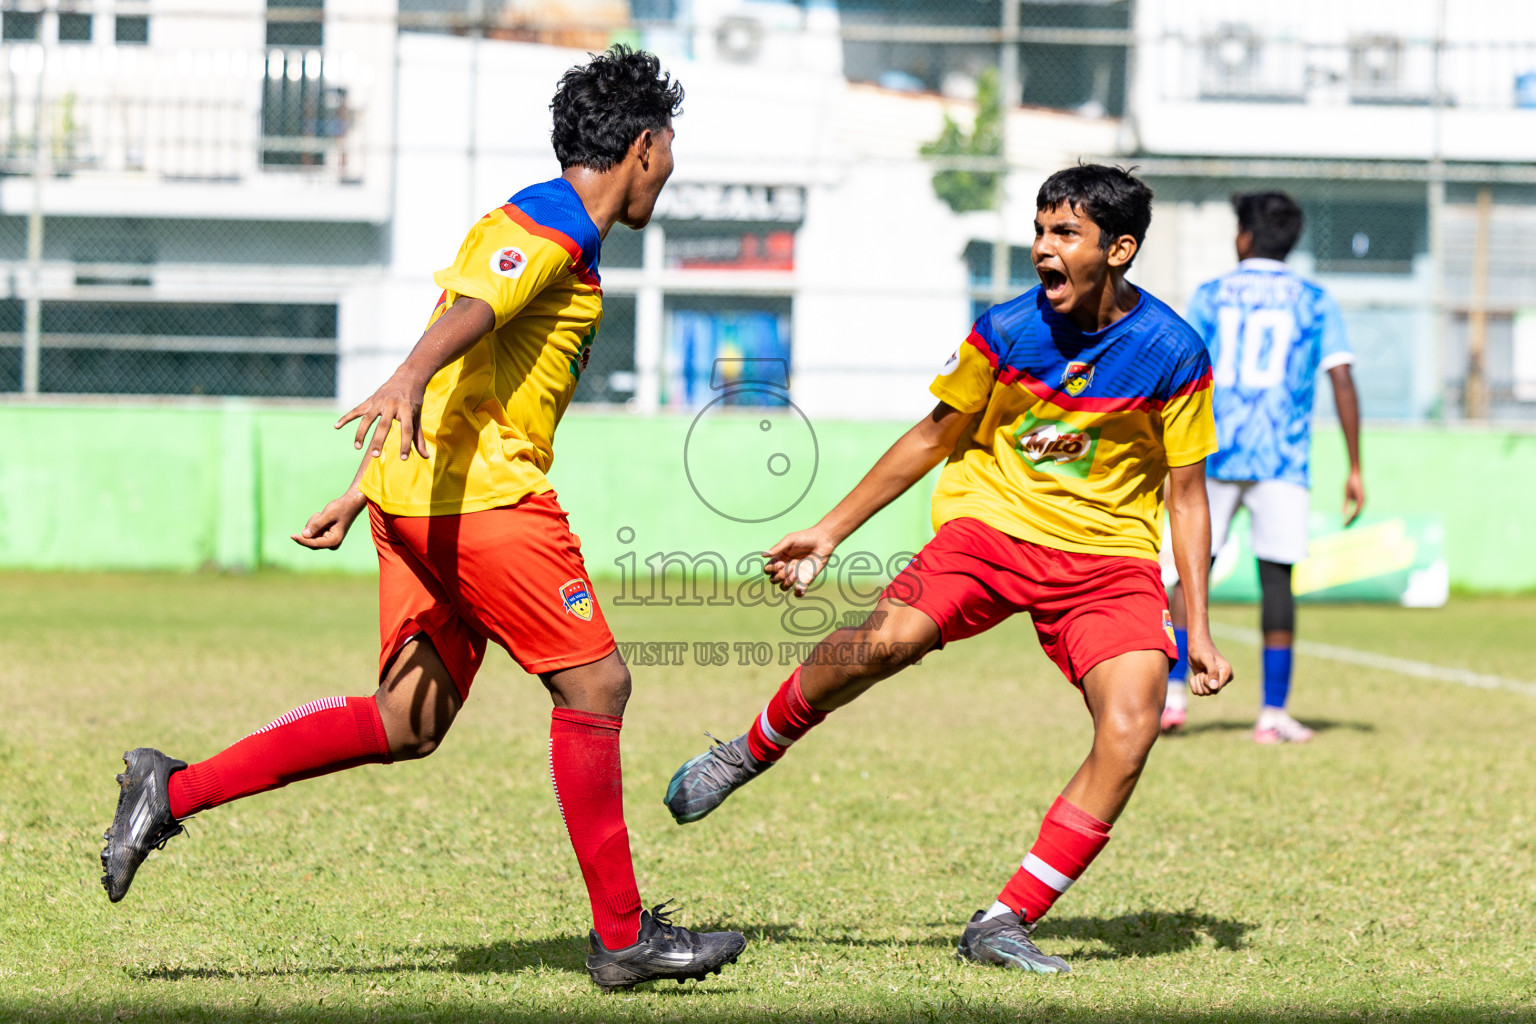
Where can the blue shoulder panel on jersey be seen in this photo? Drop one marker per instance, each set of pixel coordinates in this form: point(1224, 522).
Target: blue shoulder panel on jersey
point(1150, 353)
point(555, 204)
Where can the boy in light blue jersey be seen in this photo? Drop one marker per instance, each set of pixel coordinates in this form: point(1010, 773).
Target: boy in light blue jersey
point(1269, 332)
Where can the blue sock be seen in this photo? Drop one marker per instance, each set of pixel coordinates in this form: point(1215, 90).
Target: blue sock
point(1277, 676)
point(1180, 670)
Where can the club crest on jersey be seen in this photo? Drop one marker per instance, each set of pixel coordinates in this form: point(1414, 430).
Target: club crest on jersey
point(1168, 627)
point(577, 598)
point(508, 262)
point(1076, 377)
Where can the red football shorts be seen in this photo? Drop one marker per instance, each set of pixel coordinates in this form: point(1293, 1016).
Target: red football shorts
point(1086, 608)
point(513, 574)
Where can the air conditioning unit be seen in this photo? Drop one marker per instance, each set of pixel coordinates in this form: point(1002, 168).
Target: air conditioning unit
point(780, 35)
point(1376, 70)
point(1239, 64)
point(1231, 63)
point(739, 39)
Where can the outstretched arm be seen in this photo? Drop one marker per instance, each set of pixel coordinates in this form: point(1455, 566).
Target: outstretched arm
point(1347, 402)
point(458, 330)
point(461, 326)
point(795, 561)
point(327, 528)
point(1189, 521)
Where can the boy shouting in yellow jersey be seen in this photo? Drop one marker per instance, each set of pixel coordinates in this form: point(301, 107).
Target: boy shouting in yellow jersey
point(1060, 417)
point(472, 541)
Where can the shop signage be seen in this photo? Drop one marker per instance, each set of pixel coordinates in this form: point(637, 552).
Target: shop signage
point(699, 201)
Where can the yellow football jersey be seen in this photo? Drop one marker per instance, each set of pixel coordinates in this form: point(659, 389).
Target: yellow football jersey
point(489, 417)
point(1077, 431)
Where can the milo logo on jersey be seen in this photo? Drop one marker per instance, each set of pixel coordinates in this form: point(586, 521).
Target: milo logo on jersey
point(1051, 446)
point(1076, 378)
point(577, 598)
point(583, 354)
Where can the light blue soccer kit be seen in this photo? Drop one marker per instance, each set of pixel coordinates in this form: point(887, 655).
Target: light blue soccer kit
point(1269, 333)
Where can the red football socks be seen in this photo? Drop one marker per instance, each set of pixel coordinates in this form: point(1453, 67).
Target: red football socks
point(787, 717)
point(321, 737)
point(1069, 840)
point(589, 787)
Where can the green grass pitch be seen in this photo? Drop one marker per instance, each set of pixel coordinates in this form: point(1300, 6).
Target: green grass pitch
point(1386, 872)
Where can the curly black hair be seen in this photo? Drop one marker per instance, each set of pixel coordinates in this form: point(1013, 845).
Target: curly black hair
point(1112, 197)
point(602, 106)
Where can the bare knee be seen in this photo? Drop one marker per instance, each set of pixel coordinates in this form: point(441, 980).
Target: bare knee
point(850, 661)
point(417, 702)
point(408, 739)
point(890, 638)
point(415, 746)
point(613, 688)
point(879, 653)
point(1124, 736)
point(413, 730)
point(602, 688)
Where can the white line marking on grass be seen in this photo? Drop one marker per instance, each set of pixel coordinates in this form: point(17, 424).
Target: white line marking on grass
point(1385, 662)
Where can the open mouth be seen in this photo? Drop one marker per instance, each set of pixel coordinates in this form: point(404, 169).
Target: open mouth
point(1053, 281)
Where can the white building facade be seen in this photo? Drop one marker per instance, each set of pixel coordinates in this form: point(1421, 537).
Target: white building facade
point(250, 197)
point(1407, 131)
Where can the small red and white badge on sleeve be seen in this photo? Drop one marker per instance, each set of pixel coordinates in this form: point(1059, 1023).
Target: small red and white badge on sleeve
point(508, 262)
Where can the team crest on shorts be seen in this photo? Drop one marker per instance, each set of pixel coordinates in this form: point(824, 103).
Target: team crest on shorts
point(508, 262)
point(1077, 377)
point(1168, 627)
point(576, 596)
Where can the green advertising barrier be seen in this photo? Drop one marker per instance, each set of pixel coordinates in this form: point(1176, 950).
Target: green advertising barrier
point(107, 488)
point(303, 463)
point(1394, 559)
point(1480, 482)
point(223, 485)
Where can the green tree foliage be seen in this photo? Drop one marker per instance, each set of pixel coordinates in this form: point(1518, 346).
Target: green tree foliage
point(966, 189)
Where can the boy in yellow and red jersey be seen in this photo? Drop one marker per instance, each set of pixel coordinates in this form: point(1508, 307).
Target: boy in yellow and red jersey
point(472, 541)
point(1062, 415)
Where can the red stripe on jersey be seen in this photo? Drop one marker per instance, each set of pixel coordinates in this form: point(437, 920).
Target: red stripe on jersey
point(1056, 396)
point(976, 341)
point(533, 227)
point(581, 270)
point(1200, 384)
point(437, 308)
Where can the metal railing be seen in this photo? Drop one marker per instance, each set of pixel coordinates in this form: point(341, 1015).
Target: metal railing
point(174, 117)
point(1237, 63)
point(1434, 276)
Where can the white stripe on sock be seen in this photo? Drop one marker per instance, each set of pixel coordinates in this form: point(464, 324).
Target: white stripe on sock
point(323, 704)
point(555, 783)
point(1047, 874)
point(768, 730)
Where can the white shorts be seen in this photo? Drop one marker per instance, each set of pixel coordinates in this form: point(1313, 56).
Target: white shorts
point(1277, 514)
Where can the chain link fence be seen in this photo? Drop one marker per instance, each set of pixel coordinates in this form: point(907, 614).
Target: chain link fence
point(214, 203)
